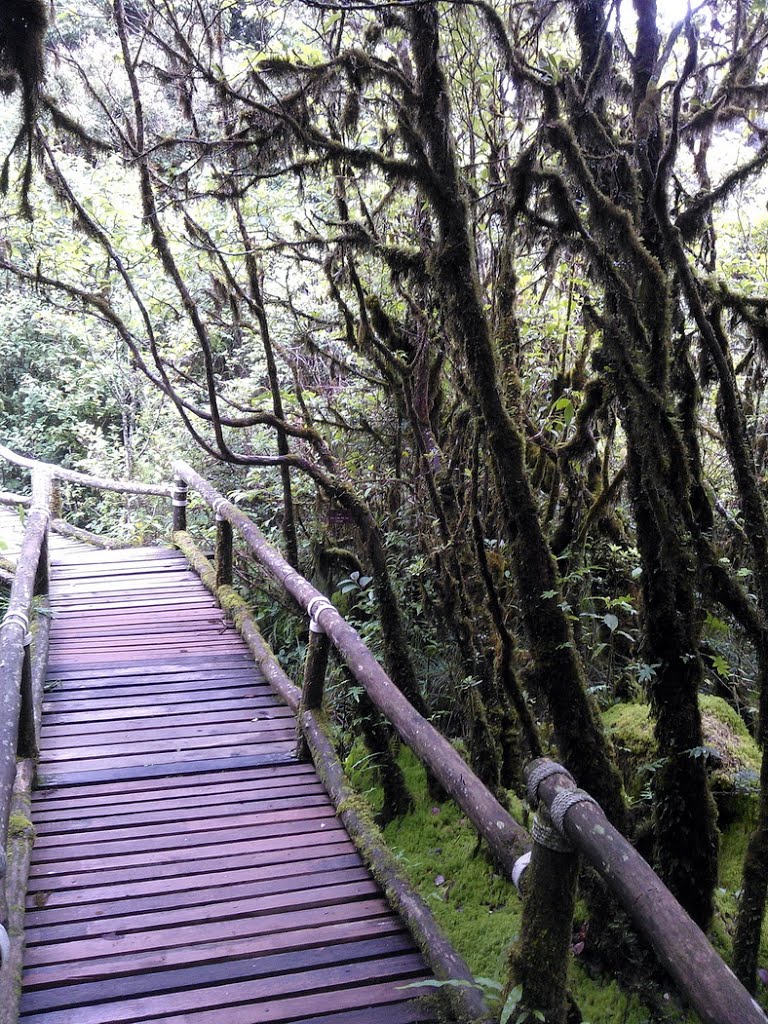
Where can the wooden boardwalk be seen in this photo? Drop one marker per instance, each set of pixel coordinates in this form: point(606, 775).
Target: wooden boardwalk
point(187, 867)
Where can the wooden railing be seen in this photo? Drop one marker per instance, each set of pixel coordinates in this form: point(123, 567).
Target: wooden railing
point(568, 823)
point(17, 706)
point(682, 948)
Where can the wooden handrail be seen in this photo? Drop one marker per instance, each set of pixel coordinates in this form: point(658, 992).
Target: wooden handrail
point(505, 837)
point(684, 951)
point(14, 653)
point(14, 500)
point(87, 480)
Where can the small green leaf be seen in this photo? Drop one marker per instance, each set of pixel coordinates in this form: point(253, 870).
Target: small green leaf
point(611, 621)
point(513, 1001)
point(721, 666)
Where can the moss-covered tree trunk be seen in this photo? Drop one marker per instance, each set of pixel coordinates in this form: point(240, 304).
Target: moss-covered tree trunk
point(557, 667)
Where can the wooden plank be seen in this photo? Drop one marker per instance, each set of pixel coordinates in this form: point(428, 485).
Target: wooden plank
point(222, 910)
point(188, 979)
point(149, 716)
point(200, 933)
point(73, 634)
point(177, 699)
point(393, 1013)
point(94, 689)
point(177, 738)
point(154, 771)
point(149, 892)
point(78, 728)
point(176, 666)
point(236, 775)
point(264, 854)
point(310, 933)
point(71, 813)
point(164, 835)
point(85, 554)
point(74, 629)
point(242, 998)
point(197, 846)
point(178, 663)
point(168, 753)
point(214, 812)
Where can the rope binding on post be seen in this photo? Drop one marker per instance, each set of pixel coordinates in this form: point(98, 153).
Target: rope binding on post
point(519, 868)
point(564, 801)
point(545, 833)
point(543, 770)
point(180, 496)
point(547, 829)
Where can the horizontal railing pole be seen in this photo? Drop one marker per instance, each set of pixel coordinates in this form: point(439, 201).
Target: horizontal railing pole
point(684, 951)
point(14, 500)
point(86, 479)
point(13, 632)
point(505, 837)
point(95, 540)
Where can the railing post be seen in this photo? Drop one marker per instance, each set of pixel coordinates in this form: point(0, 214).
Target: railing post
point(540, 963)
point(27, 739)
point(42, 575)
point(55, 499)
point(315, 668)
point(224, 551)
point(179, 500)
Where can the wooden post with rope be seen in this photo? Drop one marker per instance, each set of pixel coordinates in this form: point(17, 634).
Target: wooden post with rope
point(315, 667)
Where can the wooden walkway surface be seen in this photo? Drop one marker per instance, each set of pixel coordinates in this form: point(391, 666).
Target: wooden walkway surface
point(187, 867)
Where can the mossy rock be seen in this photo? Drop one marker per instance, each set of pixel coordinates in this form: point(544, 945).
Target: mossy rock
point(630, 729)
point(735, 760)
point(734, 757)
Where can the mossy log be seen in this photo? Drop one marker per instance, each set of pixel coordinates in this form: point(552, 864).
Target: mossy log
point(351, 808)
point(506, 838)
point(710, 987)
point(65, 529)
point(21, 836)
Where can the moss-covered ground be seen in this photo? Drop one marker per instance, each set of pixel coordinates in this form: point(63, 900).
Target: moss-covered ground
point(475, 905)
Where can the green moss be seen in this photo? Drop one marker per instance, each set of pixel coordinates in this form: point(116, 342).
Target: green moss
point(629, 722)
point(736, 740)
point(19, 825)
point(733, 848)
point(630, 727)
point(476, 906)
